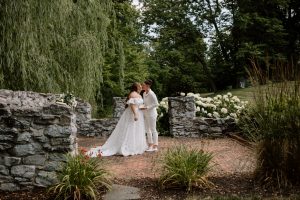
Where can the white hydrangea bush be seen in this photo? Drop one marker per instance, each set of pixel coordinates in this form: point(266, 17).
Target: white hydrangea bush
point(163, 107)
point(221, 106)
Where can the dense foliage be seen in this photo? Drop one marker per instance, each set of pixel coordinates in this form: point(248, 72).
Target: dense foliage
point(53, 46)
point(96, 49)
point(90, 48)
point(236, 29)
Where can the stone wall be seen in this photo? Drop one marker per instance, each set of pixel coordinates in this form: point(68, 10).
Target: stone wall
point(182, 118)
point(97, 127)
point(184, 123)
point(35, 133)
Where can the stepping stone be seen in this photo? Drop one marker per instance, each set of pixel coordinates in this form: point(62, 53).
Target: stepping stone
point(122, 192)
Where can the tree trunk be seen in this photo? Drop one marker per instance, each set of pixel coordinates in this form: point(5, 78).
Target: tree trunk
point(208, 74)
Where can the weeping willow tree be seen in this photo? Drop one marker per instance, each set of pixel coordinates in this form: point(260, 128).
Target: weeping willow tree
point(54, 46)
point(125, 59)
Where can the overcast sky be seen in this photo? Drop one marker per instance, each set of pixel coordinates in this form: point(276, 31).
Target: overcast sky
point(135, 2)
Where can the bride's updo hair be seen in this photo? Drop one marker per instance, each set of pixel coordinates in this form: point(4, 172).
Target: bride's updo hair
point(134, 88)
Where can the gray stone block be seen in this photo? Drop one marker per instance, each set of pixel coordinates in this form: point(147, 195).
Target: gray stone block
point(57, 109)
point(4, 170)
point(53, 166)
point(122, 192)
point(35, 160)
point(47, 119)
point(57, 131)
point(24, 150)
point(57, 157)
point(215, 130)
point(25, 171)
point(10, 161)
point(6, 178)
point(5, 146)
point(22, 179)
point(24, 137)
point(203, 127)
point(9, 187)
point(46, 179)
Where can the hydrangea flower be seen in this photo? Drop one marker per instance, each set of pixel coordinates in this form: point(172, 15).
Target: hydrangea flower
point(226, 106)
point(224, 110)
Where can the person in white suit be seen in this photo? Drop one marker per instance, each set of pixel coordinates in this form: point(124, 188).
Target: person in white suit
point(150, 115)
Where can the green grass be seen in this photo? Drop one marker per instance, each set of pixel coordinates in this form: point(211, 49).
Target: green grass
point(244, 94)
point(247, 94)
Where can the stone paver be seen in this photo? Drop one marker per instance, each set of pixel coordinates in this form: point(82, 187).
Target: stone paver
point(122, 192)
point(230, 157)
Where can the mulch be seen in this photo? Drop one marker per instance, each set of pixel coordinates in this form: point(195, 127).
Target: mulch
point(232, 175)
point(242, 186)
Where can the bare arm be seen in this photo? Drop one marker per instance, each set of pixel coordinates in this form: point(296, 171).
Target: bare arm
point(134, 107)
point(134, 110)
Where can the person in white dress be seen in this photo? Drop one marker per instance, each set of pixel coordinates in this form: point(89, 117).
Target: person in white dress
point(128, 137)
point(150, 114)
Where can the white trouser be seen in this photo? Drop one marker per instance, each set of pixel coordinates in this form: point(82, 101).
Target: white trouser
point(150, 127)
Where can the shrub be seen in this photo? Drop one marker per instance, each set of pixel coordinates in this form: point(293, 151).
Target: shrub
point(220, 106)
point(81, 177)
point(185, 168)
point(274, 122)
point(163, 124)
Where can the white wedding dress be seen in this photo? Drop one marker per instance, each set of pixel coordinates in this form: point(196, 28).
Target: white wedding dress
point(128, 138)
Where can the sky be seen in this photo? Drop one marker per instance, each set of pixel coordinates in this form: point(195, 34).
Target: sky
point(136, 3)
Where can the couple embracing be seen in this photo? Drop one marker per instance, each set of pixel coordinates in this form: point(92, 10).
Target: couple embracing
point(139, 117)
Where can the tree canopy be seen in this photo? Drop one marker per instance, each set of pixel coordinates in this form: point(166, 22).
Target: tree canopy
point(97, 48)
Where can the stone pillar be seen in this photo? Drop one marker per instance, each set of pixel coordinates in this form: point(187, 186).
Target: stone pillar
point(98, 127)
point(182, 112)
point(83, 112)
point(119, 106)
point(184, 123)
point(35, 135)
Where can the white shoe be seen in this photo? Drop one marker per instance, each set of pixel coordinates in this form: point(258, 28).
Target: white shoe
point(155, 149)
point(150, 149)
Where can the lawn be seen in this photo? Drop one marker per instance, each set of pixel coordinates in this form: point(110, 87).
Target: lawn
point(244, 94)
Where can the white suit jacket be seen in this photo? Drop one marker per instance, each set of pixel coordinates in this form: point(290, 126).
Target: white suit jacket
point(151, 103)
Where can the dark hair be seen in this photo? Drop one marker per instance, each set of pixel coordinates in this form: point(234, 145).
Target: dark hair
point(148, 82)
point(134, 88)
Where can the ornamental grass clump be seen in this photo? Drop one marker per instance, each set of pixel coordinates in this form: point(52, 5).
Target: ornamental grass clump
point(81, 178)
point(185, 168)
point(274, 120)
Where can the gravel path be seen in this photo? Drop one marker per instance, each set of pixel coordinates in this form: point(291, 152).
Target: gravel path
point(230, 157)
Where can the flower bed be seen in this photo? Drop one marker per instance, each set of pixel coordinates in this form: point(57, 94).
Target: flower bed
point(194, 116)
point(221, 106)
